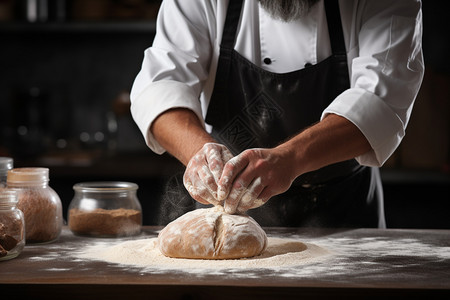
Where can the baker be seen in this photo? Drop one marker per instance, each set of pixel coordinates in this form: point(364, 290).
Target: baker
point(284, 109)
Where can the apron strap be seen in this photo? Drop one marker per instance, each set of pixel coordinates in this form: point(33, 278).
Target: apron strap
point(335, 27)
point(227, 45)
point(231, 23)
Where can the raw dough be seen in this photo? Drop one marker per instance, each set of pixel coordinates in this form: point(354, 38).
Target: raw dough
point(210, 233)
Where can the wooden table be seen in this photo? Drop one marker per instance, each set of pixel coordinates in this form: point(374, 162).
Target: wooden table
point(369, 263)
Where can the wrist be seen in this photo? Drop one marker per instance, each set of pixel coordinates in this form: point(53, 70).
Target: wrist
point(293, 155)
point(181, 133)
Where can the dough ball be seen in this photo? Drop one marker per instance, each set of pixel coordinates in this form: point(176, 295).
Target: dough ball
point(210, 233)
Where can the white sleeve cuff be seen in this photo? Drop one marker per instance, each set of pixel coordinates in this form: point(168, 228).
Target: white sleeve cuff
point(377, 121)
point(157, 98)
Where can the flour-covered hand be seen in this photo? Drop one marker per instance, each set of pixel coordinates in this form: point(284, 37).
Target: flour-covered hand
point(250, 179)
point(204, 171)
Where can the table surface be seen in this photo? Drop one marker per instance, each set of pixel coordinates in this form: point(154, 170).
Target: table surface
point(374, 262)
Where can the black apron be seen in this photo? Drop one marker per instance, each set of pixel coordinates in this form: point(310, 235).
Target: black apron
point(251, 107)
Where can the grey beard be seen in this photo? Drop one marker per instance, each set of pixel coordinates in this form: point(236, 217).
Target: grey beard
point(287, 10)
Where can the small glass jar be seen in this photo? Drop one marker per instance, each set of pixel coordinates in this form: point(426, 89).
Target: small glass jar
point(39, 203)
point(6, 164)
point(105, 209)
point(12, 223)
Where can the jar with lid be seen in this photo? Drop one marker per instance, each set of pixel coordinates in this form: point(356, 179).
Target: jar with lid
point(105, 209)
point(39, 203)
point(6, 164)
point(12, 231)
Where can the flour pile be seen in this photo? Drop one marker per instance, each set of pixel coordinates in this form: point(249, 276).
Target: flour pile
point(145, 253)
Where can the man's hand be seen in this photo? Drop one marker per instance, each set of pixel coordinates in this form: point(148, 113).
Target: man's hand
point(203, 173)
point(250, 179)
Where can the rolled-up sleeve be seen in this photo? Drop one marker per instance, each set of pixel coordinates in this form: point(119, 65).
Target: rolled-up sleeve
point(162, 96)
point(175, 67)
point(386, 71)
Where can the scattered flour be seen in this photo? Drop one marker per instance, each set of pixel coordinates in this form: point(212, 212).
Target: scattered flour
point(341, 257)
point(145, 253)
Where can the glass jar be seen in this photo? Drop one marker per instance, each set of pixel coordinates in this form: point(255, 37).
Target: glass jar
point(6, 164)
point(105, 209)
point(12, 231)
point(39, 203)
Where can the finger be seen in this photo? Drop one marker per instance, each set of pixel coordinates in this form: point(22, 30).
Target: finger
point(250, 197)
point(197, 189)
point(242, 193)
point(254, 204)
point(230, 171)
point(199, 174)
point(226, 155)
point(215, 161)
point(231, 203)
point(265, 195)
point(207, 179)
point(205, 197)
point(201, 194)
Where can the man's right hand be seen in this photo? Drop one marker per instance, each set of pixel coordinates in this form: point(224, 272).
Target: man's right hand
point(203, 173)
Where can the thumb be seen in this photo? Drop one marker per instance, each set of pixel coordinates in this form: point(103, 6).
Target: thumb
point(230, 171)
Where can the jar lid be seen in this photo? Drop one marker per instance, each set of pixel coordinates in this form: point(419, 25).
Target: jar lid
point(6, 163)
point(8, 197)
point(105, 186)
point(27, 175)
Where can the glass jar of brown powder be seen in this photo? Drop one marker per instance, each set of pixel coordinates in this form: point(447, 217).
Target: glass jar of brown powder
point(6, 164)
point(105, 209)
point(12, 231)
point(39, 203)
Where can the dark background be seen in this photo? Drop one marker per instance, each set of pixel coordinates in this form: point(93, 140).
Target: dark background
point(64, 104)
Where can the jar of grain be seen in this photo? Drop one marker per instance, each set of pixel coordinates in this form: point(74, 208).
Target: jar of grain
point(39, 203)
point(105, 209)
point(6, 164)
point(12, 231)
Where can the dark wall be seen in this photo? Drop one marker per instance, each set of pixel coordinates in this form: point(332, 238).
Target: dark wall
point(79, 75)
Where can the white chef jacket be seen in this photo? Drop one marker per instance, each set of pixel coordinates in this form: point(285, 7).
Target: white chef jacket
point(383, 39)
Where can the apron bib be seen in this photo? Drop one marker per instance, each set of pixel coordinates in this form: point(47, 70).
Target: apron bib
point(253, 108)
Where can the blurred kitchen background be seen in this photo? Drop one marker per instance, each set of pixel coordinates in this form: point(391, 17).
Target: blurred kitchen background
point(66, 70)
